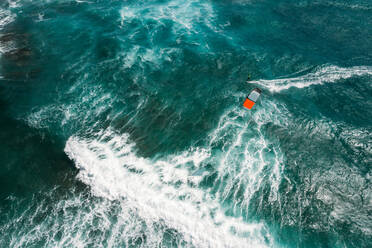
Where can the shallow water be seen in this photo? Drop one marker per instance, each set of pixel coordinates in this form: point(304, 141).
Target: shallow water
point(122, 124)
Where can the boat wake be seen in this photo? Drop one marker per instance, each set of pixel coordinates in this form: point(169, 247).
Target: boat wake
point(326, 74)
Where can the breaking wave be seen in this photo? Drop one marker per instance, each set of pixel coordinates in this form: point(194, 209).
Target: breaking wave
point(165, 192)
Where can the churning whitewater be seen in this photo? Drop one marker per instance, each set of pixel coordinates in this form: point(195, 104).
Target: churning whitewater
point(122, 123)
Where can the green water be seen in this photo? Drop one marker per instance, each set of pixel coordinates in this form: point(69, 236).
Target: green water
point(122, 124)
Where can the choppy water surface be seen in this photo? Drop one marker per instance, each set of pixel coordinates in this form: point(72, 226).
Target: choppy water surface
point(122, 124)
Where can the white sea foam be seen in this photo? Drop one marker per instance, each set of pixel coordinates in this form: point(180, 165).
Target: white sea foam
point(344, 5)
point(186, 18)
point(14, 3)
point(326, 74)
point(159, 191)
point(166, 190)
point(6, 17)
point(182, 13)
point(247, 156)
point(155, 56)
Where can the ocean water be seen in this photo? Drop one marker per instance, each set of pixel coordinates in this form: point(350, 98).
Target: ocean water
point(121, 123)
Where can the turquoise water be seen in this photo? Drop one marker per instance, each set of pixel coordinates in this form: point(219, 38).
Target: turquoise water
point(122, 123)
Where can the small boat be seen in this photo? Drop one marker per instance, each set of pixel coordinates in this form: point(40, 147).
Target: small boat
point(252, 98)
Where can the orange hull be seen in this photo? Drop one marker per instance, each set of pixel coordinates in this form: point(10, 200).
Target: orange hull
point(248, 103)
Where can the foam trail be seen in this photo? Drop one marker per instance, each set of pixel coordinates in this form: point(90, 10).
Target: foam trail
point(327, 74)
point(247, 157)
point(160, 191)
